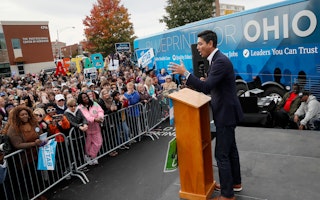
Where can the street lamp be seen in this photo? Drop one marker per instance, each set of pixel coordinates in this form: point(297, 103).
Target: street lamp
point(63, 29)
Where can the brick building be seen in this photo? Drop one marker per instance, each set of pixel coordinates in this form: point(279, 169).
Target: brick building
point(25, 47)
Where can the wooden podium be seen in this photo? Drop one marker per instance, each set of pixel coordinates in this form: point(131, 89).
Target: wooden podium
point(192, 122)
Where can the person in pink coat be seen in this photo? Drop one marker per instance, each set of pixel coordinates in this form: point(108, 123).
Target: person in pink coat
point(94, 115)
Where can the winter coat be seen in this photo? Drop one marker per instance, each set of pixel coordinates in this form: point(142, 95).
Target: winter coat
point(76, 119)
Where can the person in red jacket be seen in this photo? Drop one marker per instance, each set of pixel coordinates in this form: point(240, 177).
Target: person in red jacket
point(56, 123)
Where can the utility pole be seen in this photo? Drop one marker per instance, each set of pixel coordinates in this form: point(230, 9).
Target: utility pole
point(217, 8)
point(57, 42)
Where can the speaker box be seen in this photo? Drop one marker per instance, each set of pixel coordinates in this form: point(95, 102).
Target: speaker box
point(200, 65)
point(249, 104)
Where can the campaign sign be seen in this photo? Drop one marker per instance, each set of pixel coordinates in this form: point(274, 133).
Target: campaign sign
point(86, 63)
point(122, 47)
point(66, 63)
point(113, 65)
point(60, 69)
point(97, 60)
point(145, 57)
point(89, 71)
point(171, 163)
point(77, 63)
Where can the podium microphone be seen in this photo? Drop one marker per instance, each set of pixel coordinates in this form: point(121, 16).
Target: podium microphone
point(201, 70)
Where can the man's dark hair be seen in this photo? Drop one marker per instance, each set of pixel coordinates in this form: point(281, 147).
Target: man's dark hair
point(297, 85)
point(306, 93)
point(209, 35)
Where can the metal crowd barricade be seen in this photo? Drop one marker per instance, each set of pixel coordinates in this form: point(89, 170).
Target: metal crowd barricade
point(157, 111)
point(117, 129)
point(24, 181)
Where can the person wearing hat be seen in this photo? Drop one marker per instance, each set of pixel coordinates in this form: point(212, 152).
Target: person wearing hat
point(60, 103)
point(168, 86)
point(308, 114)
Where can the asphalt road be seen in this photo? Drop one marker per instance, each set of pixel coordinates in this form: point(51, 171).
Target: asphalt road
point(276, 164)
point(136, 173)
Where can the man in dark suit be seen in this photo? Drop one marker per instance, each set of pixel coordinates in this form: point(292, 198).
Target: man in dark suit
point(226, 110)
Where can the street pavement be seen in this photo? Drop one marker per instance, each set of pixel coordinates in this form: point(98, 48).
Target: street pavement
point(275, 164)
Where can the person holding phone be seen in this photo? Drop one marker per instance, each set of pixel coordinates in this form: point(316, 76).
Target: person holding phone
point(56, 123)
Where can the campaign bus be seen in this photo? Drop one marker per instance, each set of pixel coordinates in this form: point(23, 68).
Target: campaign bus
point(271, 47)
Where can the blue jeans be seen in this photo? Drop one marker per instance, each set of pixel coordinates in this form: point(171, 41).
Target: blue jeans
point(227, 156)
point(123, 128)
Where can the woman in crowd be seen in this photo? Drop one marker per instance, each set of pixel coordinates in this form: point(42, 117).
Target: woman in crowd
point(94, 115)
point(108, 105)
point(78, 121)
point(24, 133)
point(119, 101)
point(150, 87)
point(40, 114)
point(144, 95)
point(75, 116)
point(24, 130)
point(106, 102)
point(168, 86)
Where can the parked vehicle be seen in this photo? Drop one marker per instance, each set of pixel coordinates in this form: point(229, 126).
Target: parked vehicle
point(271, 47)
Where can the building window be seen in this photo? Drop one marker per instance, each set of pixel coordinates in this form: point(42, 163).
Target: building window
point(5, 70)
point(2, 41)
point(15, 43)
point(20, 68)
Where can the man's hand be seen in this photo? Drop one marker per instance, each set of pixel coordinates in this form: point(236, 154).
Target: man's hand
point(176, 68)
point(301, 127)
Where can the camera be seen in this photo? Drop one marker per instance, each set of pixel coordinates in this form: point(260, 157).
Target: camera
point(5, 146)
point(57, 117)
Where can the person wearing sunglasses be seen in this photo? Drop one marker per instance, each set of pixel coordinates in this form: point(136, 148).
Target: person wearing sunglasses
point(58, 123)
point(40, 114)
point(75, 116)
point(60, 103)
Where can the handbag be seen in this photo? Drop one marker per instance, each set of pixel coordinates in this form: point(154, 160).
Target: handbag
point(46, 155)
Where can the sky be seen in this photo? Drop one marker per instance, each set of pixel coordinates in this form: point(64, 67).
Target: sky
point(65, 16)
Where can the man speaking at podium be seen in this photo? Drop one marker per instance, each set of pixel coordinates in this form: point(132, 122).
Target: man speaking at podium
point(226, 109)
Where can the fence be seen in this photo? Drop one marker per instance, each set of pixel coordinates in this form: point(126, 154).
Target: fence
point(24, 181)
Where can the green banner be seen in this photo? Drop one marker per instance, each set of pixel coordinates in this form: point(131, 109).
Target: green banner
point(171, 163)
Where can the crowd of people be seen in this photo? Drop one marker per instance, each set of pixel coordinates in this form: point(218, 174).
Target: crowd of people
point(58, 103)
point(53, 104)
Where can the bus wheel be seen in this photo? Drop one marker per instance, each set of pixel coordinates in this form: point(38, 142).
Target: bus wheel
point(241, 89)
point(274, 92)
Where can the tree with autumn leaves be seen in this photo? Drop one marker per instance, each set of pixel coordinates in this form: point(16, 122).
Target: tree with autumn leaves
point(107, 24)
